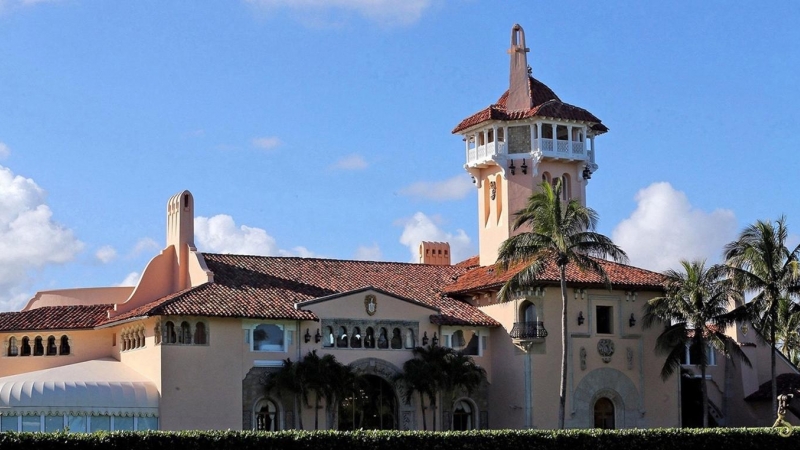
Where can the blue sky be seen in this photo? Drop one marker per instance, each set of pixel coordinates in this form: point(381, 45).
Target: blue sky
point(322, 128)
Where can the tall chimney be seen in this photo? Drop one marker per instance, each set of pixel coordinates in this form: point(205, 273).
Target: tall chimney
point(519, 89)
point(434, 253)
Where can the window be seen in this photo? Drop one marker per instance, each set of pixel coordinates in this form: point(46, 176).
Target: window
point(52, 349)
point(463, 418)
point(77, 424)
point(185, 337)
point(355, 340)
point(528, 312)
point(383, 340)
point(9, 423)
point(266, 416)
point(64, 348)
point(157, 333)
point(369, 341)
point(123, 423)
point(692, 355)
point(604, 414)
point(341, 340)
point(330, 339)
point(169, 333)
point(566, 188)
point(146, 423)
point(53, 424)
point(100, 423)
point(410, 342)
point(26, 347)
point(200, 334)
point(397, 340)
point(268, 337)
point(13, 350)
point(604, 319)
point(31, 424)
point(38, 346)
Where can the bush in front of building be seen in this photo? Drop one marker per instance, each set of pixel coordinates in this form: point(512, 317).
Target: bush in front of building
point(655, 439)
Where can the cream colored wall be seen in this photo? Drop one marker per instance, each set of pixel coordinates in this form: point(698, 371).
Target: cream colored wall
point(85, 345)
point(145, 360)
point(492, 214)
point(660, 403)
point(79, 296)
point(199, 389)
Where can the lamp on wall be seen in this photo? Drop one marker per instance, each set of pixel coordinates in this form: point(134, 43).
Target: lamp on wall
point(317, 337)
point(435, 340)
point(580, 318)
point(632, 321)
point(425, 338)
point(473, 180)
point(511, 167)
point(524, 168)
point(307, 336)
point(744, 328)
point(587, 173)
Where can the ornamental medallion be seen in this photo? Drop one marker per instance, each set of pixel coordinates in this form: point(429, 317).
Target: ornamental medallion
point(606, 348)
point(371, 304)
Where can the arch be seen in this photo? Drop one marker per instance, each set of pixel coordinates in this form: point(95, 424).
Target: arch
point(169, 333)
point(383, 339)
point(200, 334)
point(355, 339)
point(64, 347)
point(527, 312)
point(369, 340)
point(604, 414)
point(410, 342)
point(25, 348)
point(613, 385)
point(186, 333)
point(13, 350)
point(546, 178)
point(406, 412)
point(465, 415)
point(397, 339)
point(566, 187)
point(267, 415)
point(330, 339)
point(38, 346)
point(51, 349)
point(341, 340)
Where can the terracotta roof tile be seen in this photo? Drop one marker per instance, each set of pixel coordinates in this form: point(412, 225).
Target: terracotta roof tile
point(621, 275)
point(268, 287)
point(54, 318)
point(545, 104)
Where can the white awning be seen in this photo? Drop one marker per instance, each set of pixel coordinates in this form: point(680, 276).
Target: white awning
point(103, 386)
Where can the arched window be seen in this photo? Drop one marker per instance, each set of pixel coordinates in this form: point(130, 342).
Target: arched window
point(528, 312)
point(463, 417)
point(26, 346)
point(267, 416)
point(186, 333)
point(13, 350)
point(397, 340)
point(200, 334)
point(157, 332)
point(64, 349)
point(546, 177)
point(52, 349)
point(355, 339)
point(410, 343)
point(38, 346)
point(383, 340)
point(329, 339)
point(604, 414)
point(140, 338)
point(341, 339)
point(501, 135)
point(169, 333)
point(369, 340)
point(566, 188)
point(490, 136)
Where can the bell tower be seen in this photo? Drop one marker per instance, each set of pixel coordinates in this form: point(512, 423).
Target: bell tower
point(528, 136)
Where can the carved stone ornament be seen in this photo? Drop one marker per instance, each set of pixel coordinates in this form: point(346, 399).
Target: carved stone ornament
point(493, 189)
point(371, 304)
point(629, 357)
point(605, 347)
point(583, 358)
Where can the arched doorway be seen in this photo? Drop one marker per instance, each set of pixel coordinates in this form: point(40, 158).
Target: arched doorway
point(372, 406)
point(604, 414)
point(266, 416)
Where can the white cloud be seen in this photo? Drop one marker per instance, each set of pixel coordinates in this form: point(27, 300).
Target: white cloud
point(29, 238)
point(454, 188)
point(665, 228)
point(266, 143)
point(145, 245)
point(131, 280)
point(219, 234)
point(4, 151)
point(106, 254)
point(369, 253)
point(422, 228)
point(384, 12)
point(351, 162)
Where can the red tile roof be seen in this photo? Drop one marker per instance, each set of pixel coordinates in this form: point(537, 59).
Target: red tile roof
point(268, 287)
point(545, 104)
point(55, 318)
point(788, 383)
point(621, 275)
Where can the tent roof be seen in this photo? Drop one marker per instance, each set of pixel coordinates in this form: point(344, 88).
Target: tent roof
point(103, 386)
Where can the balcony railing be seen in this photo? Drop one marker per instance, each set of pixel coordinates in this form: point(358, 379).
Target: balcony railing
point(484, 153)
point(528, 330)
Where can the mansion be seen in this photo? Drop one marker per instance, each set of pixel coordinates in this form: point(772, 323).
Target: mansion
point(189, 346)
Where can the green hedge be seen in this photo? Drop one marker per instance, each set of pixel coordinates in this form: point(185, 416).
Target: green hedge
point(657, 439)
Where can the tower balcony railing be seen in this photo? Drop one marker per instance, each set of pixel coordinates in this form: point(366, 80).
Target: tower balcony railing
point(560, 148)
point(526, 331)
point(484, 153)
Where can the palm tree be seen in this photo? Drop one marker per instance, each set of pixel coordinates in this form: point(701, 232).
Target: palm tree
point(694, 311)
point(312, 371)
point(433, 358)
point(461, 372)
point(287, 380)
point(558, 230)
point(788, 329)
point(760, 263)
point(417, 377)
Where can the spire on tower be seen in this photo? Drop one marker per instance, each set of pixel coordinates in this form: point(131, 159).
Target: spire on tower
point(519, 90)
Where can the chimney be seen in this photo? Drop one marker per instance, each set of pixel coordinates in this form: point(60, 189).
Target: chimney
point(519, 89)
point(434, 253)
point(180, 233)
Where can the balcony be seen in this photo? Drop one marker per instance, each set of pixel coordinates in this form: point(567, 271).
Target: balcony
point(527, 331)
point(482, 155)
point(560, 149)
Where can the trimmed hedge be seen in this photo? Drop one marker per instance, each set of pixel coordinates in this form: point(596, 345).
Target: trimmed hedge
point(655, 439)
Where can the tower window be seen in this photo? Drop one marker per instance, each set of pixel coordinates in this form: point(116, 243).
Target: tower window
point(604, 319)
